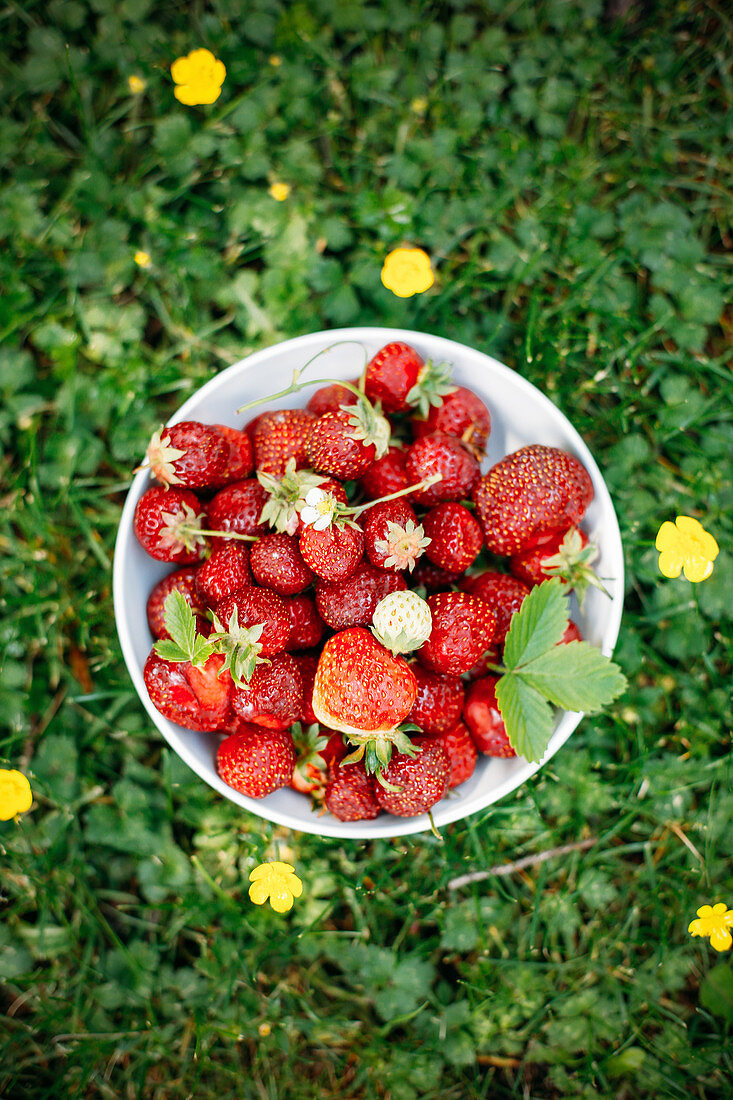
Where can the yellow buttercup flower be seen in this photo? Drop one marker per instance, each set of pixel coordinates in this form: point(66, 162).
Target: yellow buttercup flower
point(198, 77)
point(15, 794)
point(407, 271)
point(275, 61)
point(715, 922)
point(419, 105)
point(279, 191)
point(136, 84)
point(276, 881)
point(142, 259)
point(686, 545)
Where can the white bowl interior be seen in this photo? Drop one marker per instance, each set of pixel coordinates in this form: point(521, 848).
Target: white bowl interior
point(520, 413)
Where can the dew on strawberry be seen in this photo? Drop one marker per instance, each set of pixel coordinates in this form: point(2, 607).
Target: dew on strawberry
point(300, 588)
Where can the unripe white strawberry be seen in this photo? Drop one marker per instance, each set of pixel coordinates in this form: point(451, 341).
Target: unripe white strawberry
point(402, 621)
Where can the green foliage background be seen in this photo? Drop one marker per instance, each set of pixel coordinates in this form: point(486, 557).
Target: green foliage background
point(569, 175)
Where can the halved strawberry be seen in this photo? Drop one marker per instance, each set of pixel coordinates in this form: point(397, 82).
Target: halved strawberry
point(196, 698)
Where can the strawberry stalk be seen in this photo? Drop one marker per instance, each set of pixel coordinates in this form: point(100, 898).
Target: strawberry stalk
point(321, 508)
point(296, 384)
point(376, 752)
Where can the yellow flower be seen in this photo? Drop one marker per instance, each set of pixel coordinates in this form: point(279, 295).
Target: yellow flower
point(714, 921)
point(199, 77)
point(279, 191)
point(136, 84)
point(142, 259)
point(277, 881)
point(407, 271)
point(686, 545)
point(275, 61)
point(419, 105)
point(15, 794)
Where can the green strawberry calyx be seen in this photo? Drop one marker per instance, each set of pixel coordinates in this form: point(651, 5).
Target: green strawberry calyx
point(287, 496)
point(573, 565)
point(375, 748)
point(241, 647)
point(539, 673)
point(434, 382)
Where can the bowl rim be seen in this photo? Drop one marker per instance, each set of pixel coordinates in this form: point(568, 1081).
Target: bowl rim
point(449, 809)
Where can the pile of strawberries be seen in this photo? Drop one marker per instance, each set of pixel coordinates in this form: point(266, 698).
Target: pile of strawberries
point(344, 579)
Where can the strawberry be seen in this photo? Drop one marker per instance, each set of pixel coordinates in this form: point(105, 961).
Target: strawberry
point(184, 581)
point(402, 621)
point(279, 436)
point(503, 593)
point(276, 563)
point(256, 761)
point(483, 718)
point(461, 414)
point(529, 496)
point(393, 539)
point(386, 475)
point(238, 508)
point(438, 453)
point(258, 607)
point(400, 379)
point(318, 750)
point(306, 625)
point(461, 752)
point(333, 553)
point(190, 454)
point(274, 695)
point(353, 602)
point(240, 461)
point(287, 492)
point(334, 448)
point(572, 634)
point(168, 524)
point(391, 374)
point(331, 397)
point(307, 666)
point(455, 536)
point(360, 687)
point(225, 571)
point(350, 794)
point(421, 780)
point(567, 554)
point(463, 629)
point(431, 577)
point(196, 698)
point(439, 701)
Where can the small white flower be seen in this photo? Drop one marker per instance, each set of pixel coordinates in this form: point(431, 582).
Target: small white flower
point(319, 509)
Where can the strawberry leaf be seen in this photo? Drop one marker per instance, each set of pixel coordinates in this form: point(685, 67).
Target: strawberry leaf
point(538, 625)
point(528, 717)
point(184, 643)
point(575, 676)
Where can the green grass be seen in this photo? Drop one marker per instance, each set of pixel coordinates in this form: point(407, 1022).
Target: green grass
point(570, 179)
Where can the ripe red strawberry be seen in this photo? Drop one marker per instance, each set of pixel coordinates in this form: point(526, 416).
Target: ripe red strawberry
point(274, 695)
point(256, 761)
point(391, 374)
point(463, 415)
point(431, 577)
point(461, 752)
point(393, 539)
point(504, 595)
point(238, 508)
point(439, 701)
point(306, 625)
point(167, 524)
point(455, 536)
point(386, 475)
point(333, 448)
point(240, 460)
point(463, 629)
point(350, 794)
point(281, 435)
point(567, 554)
point(483, 718)
point(190, 454)
point(307, 666)
point(438, 453)
point(183, 581)
point(530, 495)
point(276, 563)
point(226, 571)
point(330, 398)
point(353, 602)
point(255, 606)
point(360, 687)
point(572, 634)
point(196, 698)
point(334, 553)
point(422, 779)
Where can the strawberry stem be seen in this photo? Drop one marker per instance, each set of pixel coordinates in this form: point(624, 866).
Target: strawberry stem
point(186, 529)
point(425, 484)
point(296, 385)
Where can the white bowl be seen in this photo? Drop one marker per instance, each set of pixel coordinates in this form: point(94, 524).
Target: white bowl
point(520, 414)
